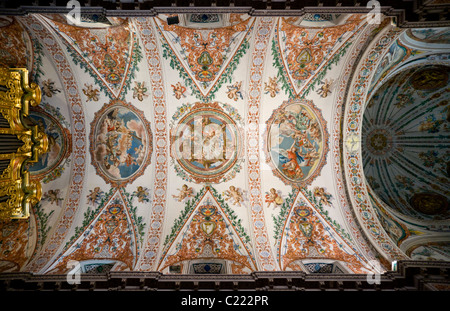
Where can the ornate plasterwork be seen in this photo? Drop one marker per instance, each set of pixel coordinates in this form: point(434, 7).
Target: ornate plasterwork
point(264, 253)
point(15, 244)
point(166, 98)
point(352, 159)
point(161, 153)
point(306, 51)
point(38, 29)
point(306, 235)
point(207, 229)
point(204, 58)
point(110, 235)
point(15, 44)
point(342, 91)
point(109, 54)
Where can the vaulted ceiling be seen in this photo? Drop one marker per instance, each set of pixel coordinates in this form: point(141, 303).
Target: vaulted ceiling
point(244, 143)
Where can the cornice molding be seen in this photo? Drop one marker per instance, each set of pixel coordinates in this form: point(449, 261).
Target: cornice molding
point(408, 14)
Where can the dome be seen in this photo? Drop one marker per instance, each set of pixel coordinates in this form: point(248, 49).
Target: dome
point(405, 140)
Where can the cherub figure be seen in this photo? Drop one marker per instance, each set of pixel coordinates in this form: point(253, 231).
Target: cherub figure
point(94, 196)
point(325, 89)
point(271, 87)
point(273, 197)
point(140, 90)
point(178, 90)
point(235, 194)
point(234, 91)
point(48, 88)
point(141, 193)
point(90, 92)
point(323, 196)
point(52, 196)
point(185, 192)
point(314, 130)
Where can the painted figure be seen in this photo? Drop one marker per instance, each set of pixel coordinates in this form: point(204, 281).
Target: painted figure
point(234, 91)
point(235, 194)
point(271, 88)
point(291, 163)
point(273, 197)
point(325, 89)
point(184, 192)
point(48, 88)
point(178, 90)
point(140, 91)
point(52, 196)
point(295, 141)
point(90, 92)
point(141, 193)
point(323, 196)
point(120, 143)
point(94, 196)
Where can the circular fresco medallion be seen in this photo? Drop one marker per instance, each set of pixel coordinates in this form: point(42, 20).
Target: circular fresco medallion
point(59, 142)
point(296, 142)
point(121, 142)
point(430, 78)
point(207, 144)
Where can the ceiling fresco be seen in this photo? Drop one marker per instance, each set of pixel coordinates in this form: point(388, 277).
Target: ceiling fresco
point(227, 143)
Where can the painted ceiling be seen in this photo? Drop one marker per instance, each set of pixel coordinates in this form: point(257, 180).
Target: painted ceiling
point(229, 144)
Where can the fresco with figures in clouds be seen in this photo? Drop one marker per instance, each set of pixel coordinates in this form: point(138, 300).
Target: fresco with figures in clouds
point(121, 142)
point(297, 142)
point(207, 143)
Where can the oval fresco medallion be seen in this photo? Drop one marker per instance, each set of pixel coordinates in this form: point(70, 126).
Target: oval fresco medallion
point(207, 144)
point(296, 142)
point(430, 78)
point(121, 142)
point(430, 203)
point(59, 140)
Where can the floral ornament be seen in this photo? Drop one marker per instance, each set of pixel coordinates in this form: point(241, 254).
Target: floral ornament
point(404, 182)
point(325, 88)
point(403, 100)
point(140, 90)
point(90, 92)
point(272, 196)
point(52, 196)
point(235, 194)
point(431, 124)
point(324, 197)
point(234, 91)
point(142, 194)
point(48, 88)
point(429, 158)
point(94, 196)
point(184, 192)
point(271, 87)
point(178, 90)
